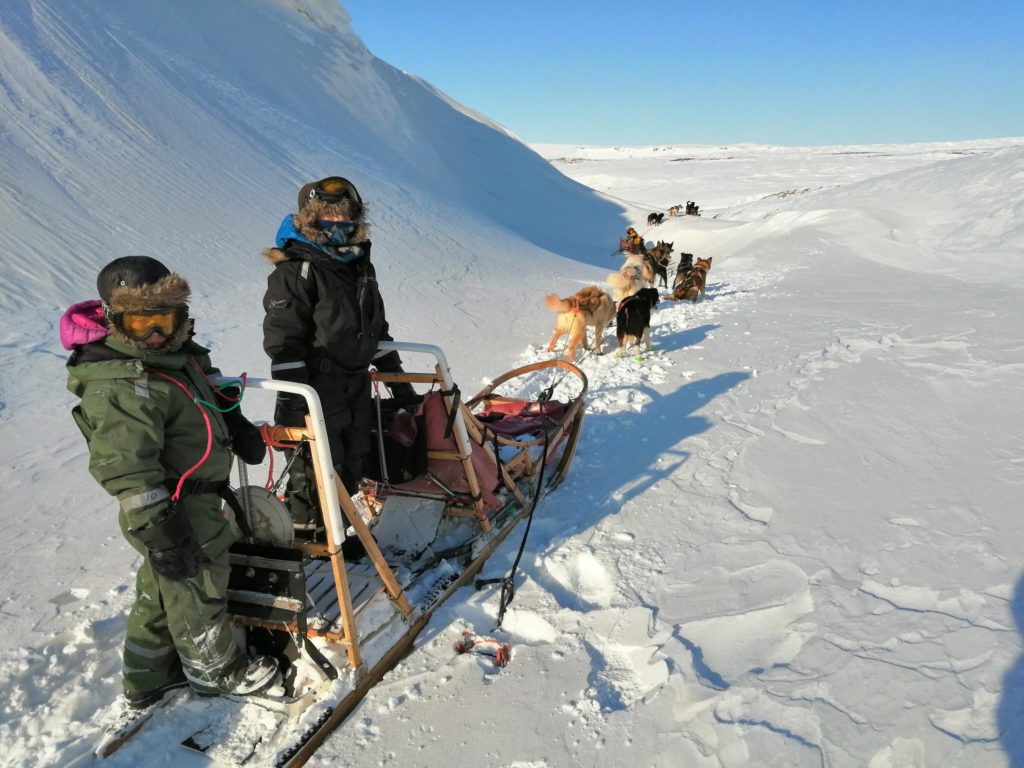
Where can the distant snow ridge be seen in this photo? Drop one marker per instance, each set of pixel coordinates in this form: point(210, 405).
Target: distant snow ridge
point(324, 13)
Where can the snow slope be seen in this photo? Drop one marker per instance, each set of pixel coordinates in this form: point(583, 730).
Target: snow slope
point(791, 536)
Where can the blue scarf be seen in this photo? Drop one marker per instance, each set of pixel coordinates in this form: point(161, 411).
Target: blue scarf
point(344, 254)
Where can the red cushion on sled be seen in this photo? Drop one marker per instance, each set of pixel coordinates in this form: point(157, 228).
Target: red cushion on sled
point(514, 419)
point(451, 473)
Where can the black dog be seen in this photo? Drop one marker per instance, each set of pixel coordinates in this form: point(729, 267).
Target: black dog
point(685, 265)
point(658, 265)
point(655, 218)
point(633, 319)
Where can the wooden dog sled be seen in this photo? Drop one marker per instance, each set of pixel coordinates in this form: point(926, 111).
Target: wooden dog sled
point(339, 626)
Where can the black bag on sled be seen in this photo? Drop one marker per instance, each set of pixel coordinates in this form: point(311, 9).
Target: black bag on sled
point(405, 445)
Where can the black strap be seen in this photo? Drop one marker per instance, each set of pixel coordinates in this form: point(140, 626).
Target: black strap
point(308, 646)
point(194, 487)
point(326, 365)
point(456, 398)
point(220, 487)
point(508, 585)
point(225, 492)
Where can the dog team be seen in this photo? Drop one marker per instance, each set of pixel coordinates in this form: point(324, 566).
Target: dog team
point(691, 209)
point(631, 303)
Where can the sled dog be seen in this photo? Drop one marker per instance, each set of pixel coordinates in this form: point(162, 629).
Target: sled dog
point(689, 285)
point(655, 219)
point(684, 266)
point(587, 307)
point(633, 319)
point(634, 274)
point(658, 259)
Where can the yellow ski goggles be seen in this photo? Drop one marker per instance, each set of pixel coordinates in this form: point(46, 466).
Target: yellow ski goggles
point(143, 323)
point(334, 189)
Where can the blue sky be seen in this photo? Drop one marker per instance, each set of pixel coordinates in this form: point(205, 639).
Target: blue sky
point(720, 71)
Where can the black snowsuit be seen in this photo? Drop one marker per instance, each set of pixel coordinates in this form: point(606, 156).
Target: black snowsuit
point(324, 318)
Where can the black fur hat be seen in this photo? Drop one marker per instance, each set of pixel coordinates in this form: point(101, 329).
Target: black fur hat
point(133, 283)
point(129, 272)
point(333, 189)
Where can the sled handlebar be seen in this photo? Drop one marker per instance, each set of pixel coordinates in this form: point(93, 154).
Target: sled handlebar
point(421, 349)
point(319, 426)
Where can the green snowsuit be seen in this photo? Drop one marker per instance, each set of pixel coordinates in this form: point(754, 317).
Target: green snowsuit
point(144, 432)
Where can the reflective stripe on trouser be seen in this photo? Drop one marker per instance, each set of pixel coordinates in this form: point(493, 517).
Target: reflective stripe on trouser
point(180, 626)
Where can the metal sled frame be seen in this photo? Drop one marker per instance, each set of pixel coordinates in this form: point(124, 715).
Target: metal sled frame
point(519, 472)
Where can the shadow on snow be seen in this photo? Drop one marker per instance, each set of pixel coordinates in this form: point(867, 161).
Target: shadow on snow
point(1010, 713)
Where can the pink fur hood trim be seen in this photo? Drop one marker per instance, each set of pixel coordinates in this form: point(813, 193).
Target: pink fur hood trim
point(82, 324)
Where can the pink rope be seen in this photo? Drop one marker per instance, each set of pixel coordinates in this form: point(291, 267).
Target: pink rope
point(209, 433)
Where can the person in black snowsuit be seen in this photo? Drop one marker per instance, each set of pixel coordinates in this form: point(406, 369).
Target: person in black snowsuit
point(324, 319)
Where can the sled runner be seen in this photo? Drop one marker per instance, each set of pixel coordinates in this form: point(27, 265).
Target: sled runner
point(450, 479)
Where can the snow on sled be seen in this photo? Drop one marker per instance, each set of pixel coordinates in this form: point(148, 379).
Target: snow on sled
point(449, 481)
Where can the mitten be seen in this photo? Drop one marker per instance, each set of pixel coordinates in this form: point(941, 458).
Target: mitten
point(403, 392)
point(290, 411)
point(246, 440)
point(173, 553)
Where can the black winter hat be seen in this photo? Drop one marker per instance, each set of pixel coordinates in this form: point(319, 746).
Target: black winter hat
point(333, 189)
point(129, 272)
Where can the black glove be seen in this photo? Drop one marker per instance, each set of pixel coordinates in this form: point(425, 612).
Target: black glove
point(290, 411)
point(403, 392)
point(246, 440)
point(173, 553)
point(178, 563)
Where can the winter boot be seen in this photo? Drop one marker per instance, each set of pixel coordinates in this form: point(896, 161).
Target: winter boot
point(143, 699)
point(301, 494)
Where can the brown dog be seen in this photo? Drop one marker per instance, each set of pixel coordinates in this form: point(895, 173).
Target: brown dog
point(589, 306)
point(656, 262)
point(689, 285)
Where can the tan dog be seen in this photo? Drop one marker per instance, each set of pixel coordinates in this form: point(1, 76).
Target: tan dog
point(589, 306)
point(689, 285)
point(635, 273)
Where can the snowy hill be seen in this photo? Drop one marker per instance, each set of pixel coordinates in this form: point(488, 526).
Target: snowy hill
point(149, 126)
point(792, 533)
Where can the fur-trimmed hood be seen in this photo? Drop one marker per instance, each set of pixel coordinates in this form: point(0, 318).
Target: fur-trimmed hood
point(169, 291)
point(305, 221)
point(289, 231)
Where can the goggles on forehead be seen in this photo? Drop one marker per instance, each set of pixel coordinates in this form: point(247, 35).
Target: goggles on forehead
point(334, 189)
point(142, 323)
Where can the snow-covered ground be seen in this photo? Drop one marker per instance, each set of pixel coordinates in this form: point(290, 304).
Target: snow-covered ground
point(792, 533)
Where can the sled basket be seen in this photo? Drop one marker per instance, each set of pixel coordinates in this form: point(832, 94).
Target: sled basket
point(450, 495)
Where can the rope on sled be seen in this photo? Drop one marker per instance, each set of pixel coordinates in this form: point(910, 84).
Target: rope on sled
point(508, 586)
point(267, 431)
